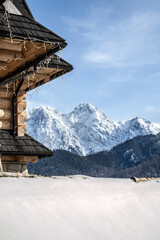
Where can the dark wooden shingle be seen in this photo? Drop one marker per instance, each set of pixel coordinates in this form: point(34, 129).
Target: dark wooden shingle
point(26, 28)
point(13, 145)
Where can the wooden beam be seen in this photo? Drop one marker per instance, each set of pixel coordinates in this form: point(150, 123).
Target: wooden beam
point(21, 118)
point(21, 97)
point(5, 124)
point(27, 159)
point(5, 103)
point(5, 94)
point(8, 55)
point(31, 85)
point(8, 158)
point(11, 46)
point(3, 65)
point(44, 70)
point(38, 76)
point(5, 114)
point(21, 106)
point(30, 54)
point(21, 158)
point(8, 40)
point(21, 130)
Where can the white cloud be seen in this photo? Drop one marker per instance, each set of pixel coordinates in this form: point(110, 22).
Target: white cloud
point(151, 109)
point(133, 41)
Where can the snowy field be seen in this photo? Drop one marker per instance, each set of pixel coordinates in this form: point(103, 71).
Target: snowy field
point(79, 208)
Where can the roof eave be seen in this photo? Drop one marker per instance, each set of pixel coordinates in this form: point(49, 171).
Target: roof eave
point(33, 63)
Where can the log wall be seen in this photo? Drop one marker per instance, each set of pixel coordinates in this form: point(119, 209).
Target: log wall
point(6, 111)
point(21, 114)
point(6, 116)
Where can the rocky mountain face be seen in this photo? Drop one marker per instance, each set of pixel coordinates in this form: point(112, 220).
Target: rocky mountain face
point(86, 130)
point(139, 157)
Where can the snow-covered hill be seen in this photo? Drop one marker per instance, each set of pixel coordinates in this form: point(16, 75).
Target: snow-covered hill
point(81, 208)
point(85, 130)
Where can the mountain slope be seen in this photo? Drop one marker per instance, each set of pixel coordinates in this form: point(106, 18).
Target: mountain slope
point(136, 157)
point(85, 130)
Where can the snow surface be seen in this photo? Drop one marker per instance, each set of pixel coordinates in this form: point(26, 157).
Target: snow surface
point(80, 208)
point(11, 8)
point(85, 130)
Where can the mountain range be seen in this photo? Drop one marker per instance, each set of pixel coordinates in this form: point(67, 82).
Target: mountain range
point(86, 130)
point(138, 157)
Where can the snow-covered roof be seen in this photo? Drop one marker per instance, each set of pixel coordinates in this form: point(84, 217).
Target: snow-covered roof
point(18, 7)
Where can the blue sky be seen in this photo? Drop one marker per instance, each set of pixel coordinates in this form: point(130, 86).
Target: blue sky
point(114, 46)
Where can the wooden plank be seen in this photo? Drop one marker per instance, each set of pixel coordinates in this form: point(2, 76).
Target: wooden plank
point(38, 76)
point(24, 115)
point(21, 118)
point(5, 103)
point(29, 54)
point(5, 124)
point(5, 94)
point(8, 55)
point(21, 158)
point(21, 98)
point(21, 130)
point(44, 70)
point(3, 65)
point(29, 85)
point(21, 93)
point(27, 159)
point(7, 158)
point(21, 107)
point(5, 114)
point(8, 40)
point(10, 46)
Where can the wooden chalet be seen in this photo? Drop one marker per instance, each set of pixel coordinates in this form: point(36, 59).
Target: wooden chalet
point(27, 60)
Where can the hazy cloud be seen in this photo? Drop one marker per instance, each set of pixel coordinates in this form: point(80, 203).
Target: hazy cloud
point(151, 109)
point(131, 41)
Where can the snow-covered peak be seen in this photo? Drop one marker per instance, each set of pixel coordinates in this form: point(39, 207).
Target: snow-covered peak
point(140, 126)
point(85, 107)
point(85, 130)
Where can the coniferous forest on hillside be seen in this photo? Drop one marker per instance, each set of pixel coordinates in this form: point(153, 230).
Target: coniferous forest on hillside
point(139, 157)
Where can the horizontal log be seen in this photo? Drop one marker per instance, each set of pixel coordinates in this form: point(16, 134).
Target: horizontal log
point(8, 40)
point(5, 103)
point(24, 114)
point(27, 159)
point(21, 107)
point(5, 114)
point(4, 124)
point(10, 46)
point(5, 94)
point(21, 118)
point(8, 55)
point(21, 93)
point(21, 130)
point(28, 56)
point(24, 159)
point(21, 98)
point(27, 85)
point(7, 158)
point(3, 65)
point(38, 77)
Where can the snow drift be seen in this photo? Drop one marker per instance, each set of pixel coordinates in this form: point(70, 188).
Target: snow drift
point(81, 208)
